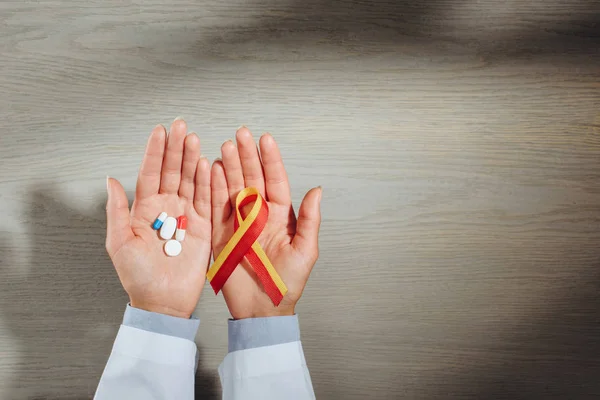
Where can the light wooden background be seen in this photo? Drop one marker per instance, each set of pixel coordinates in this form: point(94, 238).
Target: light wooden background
point(457, 142)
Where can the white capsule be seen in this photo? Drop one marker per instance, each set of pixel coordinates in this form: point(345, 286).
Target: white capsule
point(168, 228)
point(172, 248)
point(180, 234)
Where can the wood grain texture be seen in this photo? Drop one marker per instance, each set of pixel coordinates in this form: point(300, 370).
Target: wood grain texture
point(458, 144)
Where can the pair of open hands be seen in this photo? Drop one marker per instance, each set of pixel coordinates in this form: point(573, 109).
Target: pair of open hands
point(175, 178)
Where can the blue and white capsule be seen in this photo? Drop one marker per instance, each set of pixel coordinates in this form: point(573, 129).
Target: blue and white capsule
point(159, 221)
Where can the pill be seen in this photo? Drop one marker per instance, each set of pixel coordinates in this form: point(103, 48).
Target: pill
point(172, 248)
point(168, 228)
point(159, 221)
point(181, 226)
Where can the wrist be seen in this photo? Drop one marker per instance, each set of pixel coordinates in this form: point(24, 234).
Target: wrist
point(159, 309)
point(273, 312)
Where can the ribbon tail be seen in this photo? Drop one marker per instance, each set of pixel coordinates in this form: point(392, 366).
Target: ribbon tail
point(268, 276)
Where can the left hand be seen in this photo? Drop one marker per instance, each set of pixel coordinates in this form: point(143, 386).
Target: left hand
point(292, 244)
point(175, 179)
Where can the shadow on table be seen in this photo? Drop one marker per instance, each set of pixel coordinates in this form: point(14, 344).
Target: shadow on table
point(494, 30)
point(554, 355)
point(550, 351)
point(63, 306)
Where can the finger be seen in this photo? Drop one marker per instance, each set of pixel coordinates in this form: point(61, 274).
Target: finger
point(277, 184)
point(306, 240)
point(251, 165)
point(171, 168)
point(118, 228)
point(221, 206)
point(202, 202)
point(191, 155)
point(148, 181)
point(233, 170)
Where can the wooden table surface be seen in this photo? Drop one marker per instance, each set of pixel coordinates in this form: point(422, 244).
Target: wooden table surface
point(457, 142)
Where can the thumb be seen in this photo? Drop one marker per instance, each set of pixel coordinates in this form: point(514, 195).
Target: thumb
point(118, 229)
point(306, 239)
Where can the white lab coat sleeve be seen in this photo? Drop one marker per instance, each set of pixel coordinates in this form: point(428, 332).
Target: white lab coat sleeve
point(149, 366)
point(266, 361)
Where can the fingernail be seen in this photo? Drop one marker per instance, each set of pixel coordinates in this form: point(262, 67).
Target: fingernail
point(107, 178)
point(218, 159)
point(242, 126)
point(177, 119)
point(320, 192)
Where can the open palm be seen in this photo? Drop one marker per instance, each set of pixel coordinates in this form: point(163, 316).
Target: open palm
point(291, 244)
point(173, 178)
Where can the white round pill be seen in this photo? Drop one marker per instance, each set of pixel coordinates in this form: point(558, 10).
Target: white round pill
point(168, 228)
point(173, 248)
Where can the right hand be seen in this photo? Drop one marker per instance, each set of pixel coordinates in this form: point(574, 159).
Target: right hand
point(173, 178)
point(291, 244)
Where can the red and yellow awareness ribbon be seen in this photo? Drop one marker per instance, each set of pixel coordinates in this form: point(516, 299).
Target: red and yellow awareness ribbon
point(244, 243)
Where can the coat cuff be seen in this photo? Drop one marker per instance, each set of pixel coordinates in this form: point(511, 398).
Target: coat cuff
point(260, 332)
point(161, 323)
